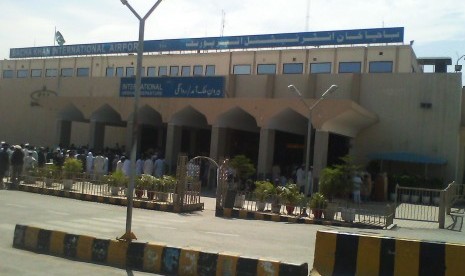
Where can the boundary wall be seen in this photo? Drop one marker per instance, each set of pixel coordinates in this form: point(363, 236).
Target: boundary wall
point(338, 253)
point(155, 258)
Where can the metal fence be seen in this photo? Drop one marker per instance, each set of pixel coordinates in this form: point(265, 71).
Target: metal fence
point(380, 215)
point(94, 185)
point(429, 205)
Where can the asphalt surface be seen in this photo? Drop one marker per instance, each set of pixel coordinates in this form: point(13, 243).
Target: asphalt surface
point(286, 242)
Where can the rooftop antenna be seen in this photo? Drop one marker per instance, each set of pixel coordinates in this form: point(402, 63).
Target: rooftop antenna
point(307, 17)
point(223, 20)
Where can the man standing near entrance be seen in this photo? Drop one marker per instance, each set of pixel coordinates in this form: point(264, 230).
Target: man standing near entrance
point(300, 178)
point(17, 161)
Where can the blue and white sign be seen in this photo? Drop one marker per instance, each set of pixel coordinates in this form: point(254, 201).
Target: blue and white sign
point(175, 87)
point(347, 37)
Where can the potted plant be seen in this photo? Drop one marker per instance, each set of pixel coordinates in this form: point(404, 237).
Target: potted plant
point(163, 186)
point(276, 199)
point(72, 167)
point(241, 169)
point(51, 172)
point(263, 190)
point(145, 182)
point(116, 181)
point(318, 203)
point(291, 196)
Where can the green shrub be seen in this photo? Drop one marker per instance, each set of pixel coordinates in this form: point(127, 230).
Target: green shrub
point(72, 167)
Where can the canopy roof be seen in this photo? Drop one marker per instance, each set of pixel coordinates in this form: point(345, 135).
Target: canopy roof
point(408, 157)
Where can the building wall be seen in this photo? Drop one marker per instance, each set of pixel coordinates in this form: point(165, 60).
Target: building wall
point(404, 125)
point(395, 98)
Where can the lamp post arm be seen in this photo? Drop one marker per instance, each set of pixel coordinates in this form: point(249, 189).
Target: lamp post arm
point(132, 10)
point(457, 63)
point(152, 9)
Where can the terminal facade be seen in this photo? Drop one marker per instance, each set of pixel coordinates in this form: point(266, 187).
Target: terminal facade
point(229, 96)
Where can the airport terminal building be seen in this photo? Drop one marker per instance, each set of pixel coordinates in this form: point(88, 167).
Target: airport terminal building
point(225, 96)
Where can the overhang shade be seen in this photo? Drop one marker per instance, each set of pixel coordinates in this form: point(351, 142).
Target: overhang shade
point(408, 157)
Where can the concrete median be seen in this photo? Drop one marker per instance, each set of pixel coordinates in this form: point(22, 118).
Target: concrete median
point(149, 257)
point(338, 253)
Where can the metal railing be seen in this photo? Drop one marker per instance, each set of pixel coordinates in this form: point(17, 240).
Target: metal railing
point(379, 215)
point(423, 204)
point(92, 184)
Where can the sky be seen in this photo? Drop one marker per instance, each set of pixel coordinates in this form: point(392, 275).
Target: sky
point(436, 27)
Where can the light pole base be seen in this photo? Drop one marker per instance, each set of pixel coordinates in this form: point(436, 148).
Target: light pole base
point(127, 237)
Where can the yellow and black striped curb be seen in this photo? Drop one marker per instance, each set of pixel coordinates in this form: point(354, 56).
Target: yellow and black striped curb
point(338, 253)
point(246, 214)
point(155, 258)
point(122, 201)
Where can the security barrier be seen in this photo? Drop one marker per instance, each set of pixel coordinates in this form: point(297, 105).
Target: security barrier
point(155, 258)
point(338, 253)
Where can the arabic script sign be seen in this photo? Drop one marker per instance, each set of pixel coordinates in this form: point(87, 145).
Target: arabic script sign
point(175, 87)
point(362, 36)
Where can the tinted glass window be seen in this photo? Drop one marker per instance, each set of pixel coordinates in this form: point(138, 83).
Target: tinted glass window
point(210, 70)
point(162, 71)
point(350, 67)
point(293, 68)
point(51, 72)
point(110, 72)
point(198, 70)
point(320, 68)
point(380, 67)
point(7, 74)
point(266, 69)
point(67, 72)
point(83, 72)
point(174, 70)
point(130, 72)
point(119, 71)
point(36, 73)
point(23, 73)
point(151, 71)
point(241, 70)
point(186, 71)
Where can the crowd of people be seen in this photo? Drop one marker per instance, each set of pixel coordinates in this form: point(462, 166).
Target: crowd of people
point(15, 160)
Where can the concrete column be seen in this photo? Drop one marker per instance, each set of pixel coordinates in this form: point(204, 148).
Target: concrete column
point(173, 145)
point(217, 142)
point(63, 133)
point(320, 157)
point(265, 152)
point(97, 135)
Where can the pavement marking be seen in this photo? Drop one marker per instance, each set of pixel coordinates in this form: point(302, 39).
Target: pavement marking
point(58, 213)
point(222, 234)
point(7, 226)
point(16, 205)
point(79, 225)
point(136, 222)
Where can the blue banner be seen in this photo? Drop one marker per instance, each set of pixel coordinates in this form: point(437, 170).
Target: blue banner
point(347, 37)
point(175, 87)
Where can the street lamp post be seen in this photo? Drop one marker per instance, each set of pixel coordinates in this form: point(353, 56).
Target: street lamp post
point(294, 89)
point(129, 236)
point(458, 67)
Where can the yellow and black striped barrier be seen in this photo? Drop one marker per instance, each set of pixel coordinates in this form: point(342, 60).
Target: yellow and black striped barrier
point(155, 258)
point(338, 253)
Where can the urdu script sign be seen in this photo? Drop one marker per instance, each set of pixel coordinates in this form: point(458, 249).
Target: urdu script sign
point(344, 37)
point(175, 87)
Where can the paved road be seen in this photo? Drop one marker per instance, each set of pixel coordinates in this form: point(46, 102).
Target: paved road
point(269, 240)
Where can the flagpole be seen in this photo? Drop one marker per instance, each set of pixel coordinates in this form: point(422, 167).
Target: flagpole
point(54, 36)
